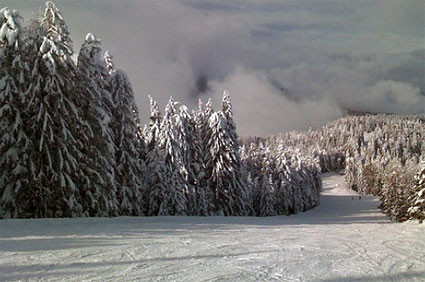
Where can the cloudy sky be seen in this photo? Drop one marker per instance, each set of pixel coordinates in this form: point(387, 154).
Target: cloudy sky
point(287, 64)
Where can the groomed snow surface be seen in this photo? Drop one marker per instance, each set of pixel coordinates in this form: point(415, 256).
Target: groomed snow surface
point(344, 239)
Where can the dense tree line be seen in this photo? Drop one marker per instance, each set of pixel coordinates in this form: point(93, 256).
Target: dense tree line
point(384, 158)
point(72, 143)
point(70, 132)
point(196, 166)
point(380, 154)
point(283, 179)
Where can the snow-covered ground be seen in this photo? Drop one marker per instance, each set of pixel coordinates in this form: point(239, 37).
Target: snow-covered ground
point(344, 239)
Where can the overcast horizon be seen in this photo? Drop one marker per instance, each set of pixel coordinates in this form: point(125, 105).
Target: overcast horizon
point(288, 65)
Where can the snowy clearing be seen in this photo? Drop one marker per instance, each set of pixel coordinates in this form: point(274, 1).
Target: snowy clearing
point(344, 239)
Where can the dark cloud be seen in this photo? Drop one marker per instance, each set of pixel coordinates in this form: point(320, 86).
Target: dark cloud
point(288, 64)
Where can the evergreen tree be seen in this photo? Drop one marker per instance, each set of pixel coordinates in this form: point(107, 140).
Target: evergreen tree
point(54, 126)
point(190, 152)
point(172, 144)
point(417, 199)
point(226, 105)
point(220, 164)
point(128, 142)
point(264, 197)
point(152, 131)
point(243, 191)
point(226, 177)
point(97, 110)
point(156, 188)
point(155, 166)
point(14, 143)
point(203, 194)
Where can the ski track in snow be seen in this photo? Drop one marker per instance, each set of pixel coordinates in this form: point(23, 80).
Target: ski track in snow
point(343, 239)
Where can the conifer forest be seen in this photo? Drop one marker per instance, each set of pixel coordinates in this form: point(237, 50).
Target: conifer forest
point(72, 144)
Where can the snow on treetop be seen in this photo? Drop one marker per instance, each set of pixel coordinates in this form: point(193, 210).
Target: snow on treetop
point(108, 55)
point(50, 4)
point(90, 37)
point(184, 109)
point(108, 59)
point(209, 103)
point(226, 102)
point(9, 29)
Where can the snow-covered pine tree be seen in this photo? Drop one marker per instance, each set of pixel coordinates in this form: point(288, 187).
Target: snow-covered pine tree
point(242, 193)
point(151, 132)
point(265, 197)
point(14, 143)
point(154, 181)
point(227, 109)
point(203, 194)
point(286, 189)
point(156, 186)
point(173, 200)
point(129, 171)
point(191, 157)
point(220, 164)
point(54, 125)
point(417, 199)
point(172, 145)
point(97, 110)
point(108, 59)
point(208, 112)
point(201, 118)
point(226, 178)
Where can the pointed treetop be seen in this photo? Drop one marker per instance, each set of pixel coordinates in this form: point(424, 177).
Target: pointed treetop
point(184, 111)
point(52, 20)
point(226, 102)
point(208, 106)
point(50, 4)
point(155, 114)
point(90, 37)
point(91, 47)
point(200, 105)
point(9, 27)
point(55, 28)
point(90, 58)
point(209, 103)
point(108, 59)
point(171, 107)
point(152, 103)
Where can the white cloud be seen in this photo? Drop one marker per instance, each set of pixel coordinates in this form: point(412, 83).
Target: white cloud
point(393, 96)
point(260, 109)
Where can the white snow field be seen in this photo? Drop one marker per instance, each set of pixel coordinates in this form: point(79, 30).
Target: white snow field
point(344, 239)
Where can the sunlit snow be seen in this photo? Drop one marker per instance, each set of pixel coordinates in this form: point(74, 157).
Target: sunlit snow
point(343, 239)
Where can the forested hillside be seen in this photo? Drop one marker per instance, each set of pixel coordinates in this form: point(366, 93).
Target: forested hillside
point(381, 155)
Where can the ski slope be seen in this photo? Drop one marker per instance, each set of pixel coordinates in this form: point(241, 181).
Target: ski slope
point(344, 239)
